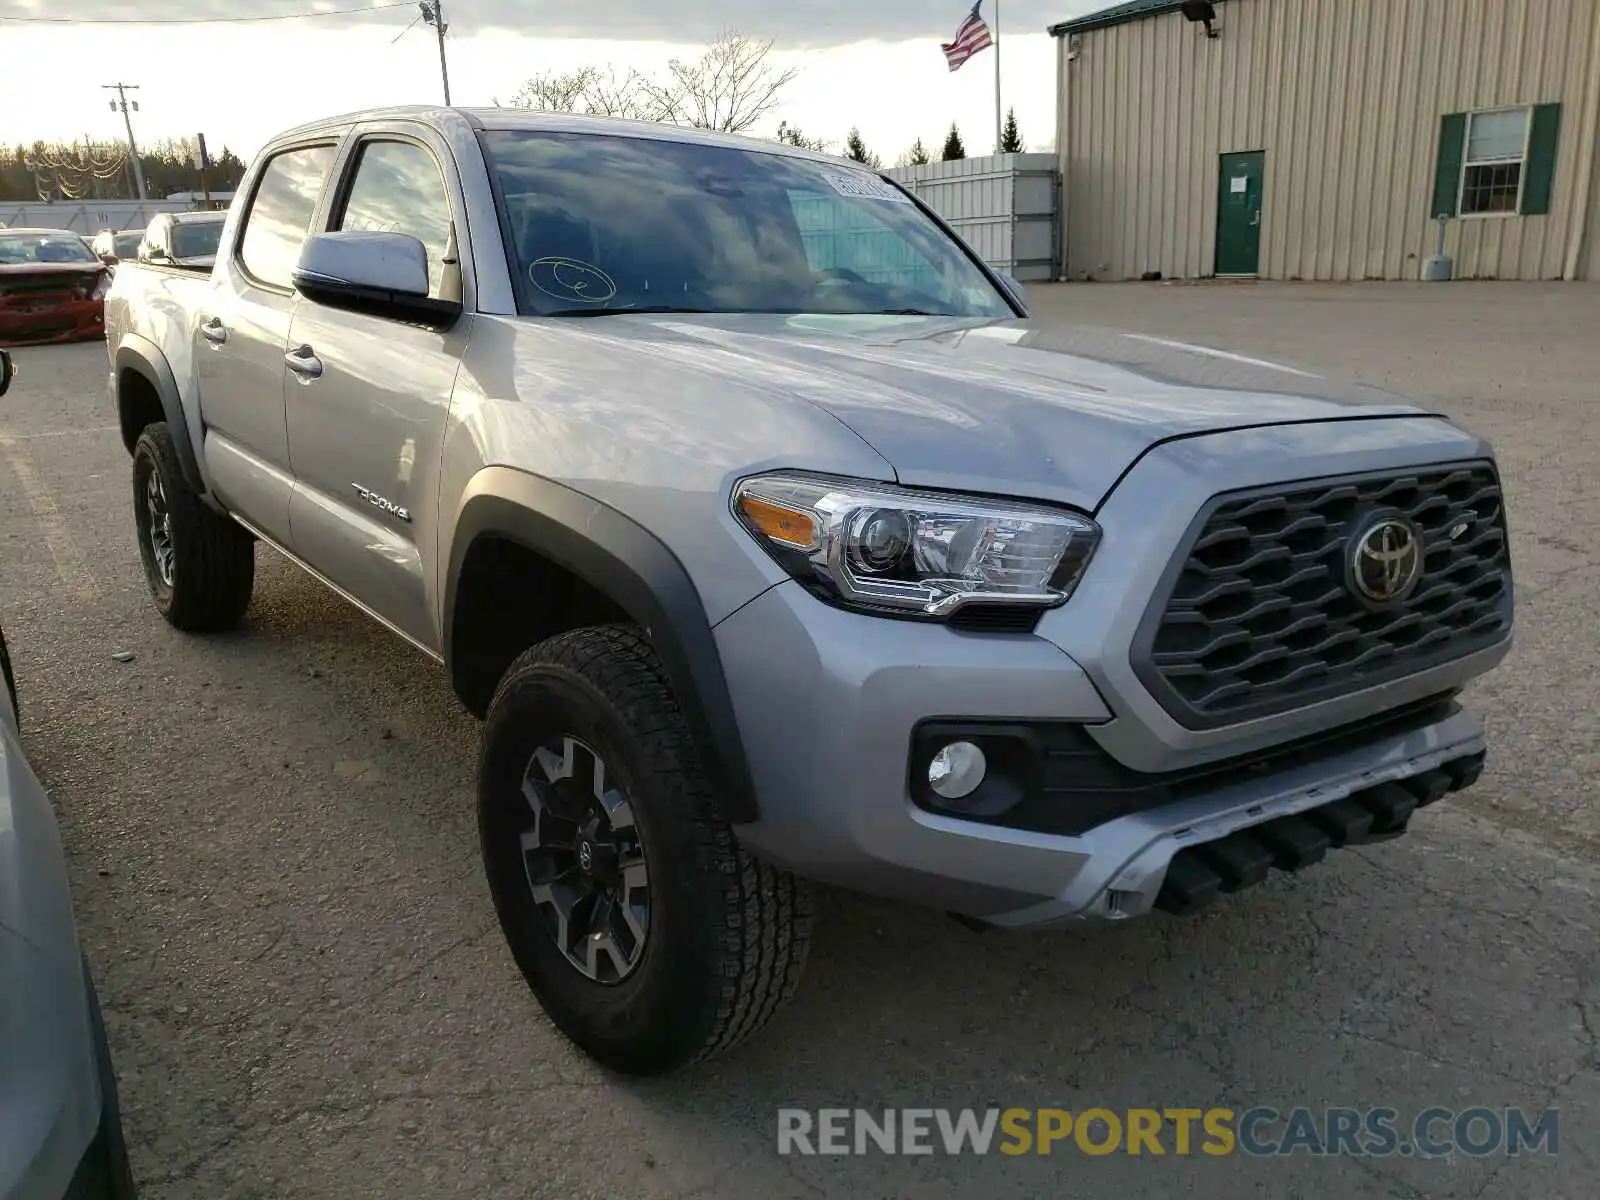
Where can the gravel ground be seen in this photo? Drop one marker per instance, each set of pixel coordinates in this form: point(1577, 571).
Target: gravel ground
point(274, 854)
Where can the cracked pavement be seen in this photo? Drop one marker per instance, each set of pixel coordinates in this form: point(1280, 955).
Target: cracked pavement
point(274, 853)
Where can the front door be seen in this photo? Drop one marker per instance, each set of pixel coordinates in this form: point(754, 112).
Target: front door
point(368, 402)
point(1239, 213)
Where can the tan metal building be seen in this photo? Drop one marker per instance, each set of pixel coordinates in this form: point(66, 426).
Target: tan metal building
point(1320, 139)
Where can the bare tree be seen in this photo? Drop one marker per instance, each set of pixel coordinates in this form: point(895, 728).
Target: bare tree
point(728, 88)
point(595, 91)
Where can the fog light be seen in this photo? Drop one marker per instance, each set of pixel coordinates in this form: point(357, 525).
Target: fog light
point(956, 770)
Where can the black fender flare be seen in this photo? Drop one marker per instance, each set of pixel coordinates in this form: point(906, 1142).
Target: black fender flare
point(622, 559)
point(144, 358)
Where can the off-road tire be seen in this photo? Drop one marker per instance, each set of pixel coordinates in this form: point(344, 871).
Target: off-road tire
point(213, 559)
point(728, 934)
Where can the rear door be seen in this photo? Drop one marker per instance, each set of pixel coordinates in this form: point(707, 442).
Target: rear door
point(244, 333)
point(366, 423)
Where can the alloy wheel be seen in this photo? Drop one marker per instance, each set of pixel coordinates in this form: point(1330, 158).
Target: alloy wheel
point(155, 500)
point(584, 861)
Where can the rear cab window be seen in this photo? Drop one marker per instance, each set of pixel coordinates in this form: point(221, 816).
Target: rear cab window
point(280, 212)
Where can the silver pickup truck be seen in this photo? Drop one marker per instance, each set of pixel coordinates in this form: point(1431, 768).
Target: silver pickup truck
point(775, 544)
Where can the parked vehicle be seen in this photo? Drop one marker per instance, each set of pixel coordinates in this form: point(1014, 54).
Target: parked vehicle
point(182, 239)
point(52, 288)
point(60, 1125)
point(773, 543)
point(112, 246)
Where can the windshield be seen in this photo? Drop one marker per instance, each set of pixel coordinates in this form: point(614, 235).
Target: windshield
point(613, 223)
point(63, 247)
point(195, 239)
point(126, 245)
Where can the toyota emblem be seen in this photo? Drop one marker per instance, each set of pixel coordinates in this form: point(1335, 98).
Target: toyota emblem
point(1386, 560)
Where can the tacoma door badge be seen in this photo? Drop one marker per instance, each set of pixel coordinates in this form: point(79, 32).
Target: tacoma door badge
point(380, 503)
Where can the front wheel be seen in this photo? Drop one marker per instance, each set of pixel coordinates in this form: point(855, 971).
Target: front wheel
point(649, 935)
point(199, 565)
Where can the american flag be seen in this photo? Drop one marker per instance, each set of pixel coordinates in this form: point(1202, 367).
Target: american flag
point(970, 38)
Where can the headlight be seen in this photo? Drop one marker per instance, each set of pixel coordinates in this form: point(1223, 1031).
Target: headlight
point(895, 550)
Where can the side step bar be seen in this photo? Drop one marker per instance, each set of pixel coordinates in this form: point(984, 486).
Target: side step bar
point(1197, 874)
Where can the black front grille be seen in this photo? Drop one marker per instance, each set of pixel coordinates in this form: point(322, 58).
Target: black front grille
point(1257, 616)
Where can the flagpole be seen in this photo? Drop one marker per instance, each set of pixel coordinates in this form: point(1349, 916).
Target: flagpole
point(999, 122)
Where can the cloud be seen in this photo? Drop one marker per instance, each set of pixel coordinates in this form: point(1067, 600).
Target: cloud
point(791, 23)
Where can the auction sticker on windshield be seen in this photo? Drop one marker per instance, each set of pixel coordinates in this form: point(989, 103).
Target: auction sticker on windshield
point(861, 186)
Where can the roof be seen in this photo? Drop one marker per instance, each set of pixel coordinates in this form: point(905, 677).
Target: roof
point(1117, 14)
point(195, 218)
point(560, 122)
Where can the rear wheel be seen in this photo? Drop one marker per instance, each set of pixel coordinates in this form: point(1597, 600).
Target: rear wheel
point(199, 565)
point(649, 935)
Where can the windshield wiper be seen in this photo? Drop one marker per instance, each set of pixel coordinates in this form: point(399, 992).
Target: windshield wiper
point(906, 312)
point(621, 312)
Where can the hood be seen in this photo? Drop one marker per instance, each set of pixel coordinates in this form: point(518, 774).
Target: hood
point(1002, 407)
point(34, 269)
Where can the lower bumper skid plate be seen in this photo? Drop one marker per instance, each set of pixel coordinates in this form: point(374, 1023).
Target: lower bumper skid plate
point(1245, 858)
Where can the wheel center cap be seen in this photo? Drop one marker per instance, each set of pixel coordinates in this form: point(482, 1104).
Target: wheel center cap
point(586, 856)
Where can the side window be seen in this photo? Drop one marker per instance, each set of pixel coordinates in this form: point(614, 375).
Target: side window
point(280, 212)
point(398, 189)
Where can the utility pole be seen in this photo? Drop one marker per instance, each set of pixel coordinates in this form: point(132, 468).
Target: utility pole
point(122, 90)
point(433, 14)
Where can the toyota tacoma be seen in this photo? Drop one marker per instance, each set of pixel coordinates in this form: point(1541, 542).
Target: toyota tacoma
point(774, 544)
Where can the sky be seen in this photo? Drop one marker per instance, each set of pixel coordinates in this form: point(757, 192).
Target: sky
point(874, 64)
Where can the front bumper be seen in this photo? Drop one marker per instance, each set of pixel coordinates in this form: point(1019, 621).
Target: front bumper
point(828, 703)
point(72, 321)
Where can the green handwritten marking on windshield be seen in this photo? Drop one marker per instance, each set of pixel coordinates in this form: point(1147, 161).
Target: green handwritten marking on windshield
point(571, 279)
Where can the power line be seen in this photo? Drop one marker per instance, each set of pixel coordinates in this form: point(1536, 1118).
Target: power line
point(296, 16)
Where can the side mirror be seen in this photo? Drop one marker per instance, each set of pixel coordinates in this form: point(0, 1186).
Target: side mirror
point(8, 371)
point(1015, 290)
point(381, 274)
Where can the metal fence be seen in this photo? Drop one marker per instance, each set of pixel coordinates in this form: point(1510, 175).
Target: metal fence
point(86, 216)
point(1006, 206)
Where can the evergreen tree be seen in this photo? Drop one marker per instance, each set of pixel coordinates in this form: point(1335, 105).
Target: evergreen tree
point(856, 149)
point(918, 154)
point(1011, 136)
point(792, 135)
point(953, 147)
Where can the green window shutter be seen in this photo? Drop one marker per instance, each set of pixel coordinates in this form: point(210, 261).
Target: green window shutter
point(1447, 174)
point(1540, 169)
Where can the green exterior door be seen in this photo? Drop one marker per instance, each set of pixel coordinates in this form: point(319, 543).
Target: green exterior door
point(1239, 212)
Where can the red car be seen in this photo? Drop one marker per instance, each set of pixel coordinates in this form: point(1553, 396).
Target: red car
point(52, 287)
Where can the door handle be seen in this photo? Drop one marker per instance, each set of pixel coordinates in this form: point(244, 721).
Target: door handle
point(1256, 219)
point(214, 330)
point(303, 361)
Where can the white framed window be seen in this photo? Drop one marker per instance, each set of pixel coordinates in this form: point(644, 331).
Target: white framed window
point(1495, 162)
